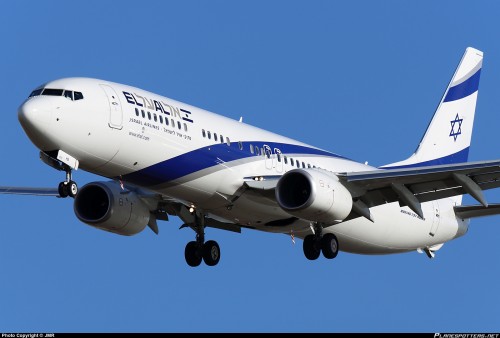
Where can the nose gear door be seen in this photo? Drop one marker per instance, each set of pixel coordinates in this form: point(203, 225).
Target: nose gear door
point(115, 108)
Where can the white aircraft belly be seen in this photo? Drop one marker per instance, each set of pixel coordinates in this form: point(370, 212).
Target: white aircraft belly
point(396, 229)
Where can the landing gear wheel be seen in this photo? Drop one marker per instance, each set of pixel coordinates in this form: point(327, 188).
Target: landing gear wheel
point(72, 188)
point(311, 249)
point(68, 187)
point(63, 190)
point(329, 246)
point(192, 254)
point(211, 253)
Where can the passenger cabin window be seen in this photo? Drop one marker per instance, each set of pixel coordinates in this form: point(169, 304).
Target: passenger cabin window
point(209, 135)
point(240, 145)
point(251, 149)
point(215, 137)
point(136, 111)
point(221, 139)
point(203, 133)
point(228, 142)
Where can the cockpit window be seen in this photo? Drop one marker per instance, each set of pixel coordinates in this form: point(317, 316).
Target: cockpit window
point(78, 96)
point(36, 92)
point(68, 94)
point(52, 92)
point(57, 92)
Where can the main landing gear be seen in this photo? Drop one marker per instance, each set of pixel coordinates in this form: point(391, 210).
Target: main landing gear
point(68, 187)
point(199, 250)
point(315, 244)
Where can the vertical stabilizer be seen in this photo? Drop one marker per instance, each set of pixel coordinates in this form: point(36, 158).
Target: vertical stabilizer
point(448, 136)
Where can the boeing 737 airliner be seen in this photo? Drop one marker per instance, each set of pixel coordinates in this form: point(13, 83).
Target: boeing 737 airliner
point(166, 158)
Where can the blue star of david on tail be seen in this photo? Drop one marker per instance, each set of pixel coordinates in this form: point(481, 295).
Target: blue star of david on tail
point(459, 131)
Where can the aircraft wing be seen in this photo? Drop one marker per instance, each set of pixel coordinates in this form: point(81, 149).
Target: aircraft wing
point(470, 211)
point(29, 191)
point(412, 186)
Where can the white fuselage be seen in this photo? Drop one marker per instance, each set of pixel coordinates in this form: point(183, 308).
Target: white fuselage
point(202, 158)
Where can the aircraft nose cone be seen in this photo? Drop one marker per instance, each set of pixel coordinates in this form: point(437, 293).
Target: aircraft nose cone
point(31, 115)
point(35, 120)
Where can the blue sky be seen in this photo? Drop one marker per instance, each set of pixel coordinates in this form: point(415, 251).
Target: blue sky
point(359, 78)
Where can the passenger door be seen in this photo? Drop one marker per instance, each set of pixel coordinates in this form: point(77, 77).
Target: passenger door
point(115, 108)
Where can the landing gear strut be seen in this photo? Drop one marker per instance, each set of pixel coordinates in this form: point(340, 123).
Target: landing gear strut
point(68, 187)
point(315, 244)
point(199, 250)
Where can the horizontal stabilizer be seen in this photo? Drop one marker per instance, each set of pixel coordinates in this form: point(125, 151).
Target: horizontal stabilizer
point(470, 211)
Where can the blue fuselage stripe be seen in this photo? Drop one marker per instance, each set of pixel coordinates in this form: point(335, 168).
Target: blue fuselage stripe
point(458, 157)
point(210, 156)
point(464, 89)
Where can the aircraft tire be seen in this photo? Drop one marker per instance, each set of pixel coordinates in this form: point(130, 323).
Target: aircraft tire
point(211, 253)
point(72, 188)
point(62, 189)
point(311, 251)
point(192, 255)
point(329, 246)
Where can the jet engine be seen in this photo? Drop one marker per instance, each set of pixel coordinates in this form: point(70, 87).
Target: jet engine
point(106, 206)
point(313, 195)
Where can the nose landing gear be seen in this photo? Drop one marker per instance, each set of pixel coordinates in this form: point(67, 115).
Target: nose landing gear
point(68, 187)
point(64, 162)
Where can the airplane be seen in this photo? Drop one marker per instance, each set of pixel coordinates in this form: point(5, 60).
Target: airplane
point(165, 158)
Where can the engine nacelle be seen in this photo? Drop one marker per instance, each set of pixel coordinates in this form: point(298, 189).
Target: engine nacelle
point(105, 206)
point(313, 195)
